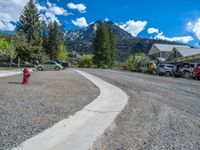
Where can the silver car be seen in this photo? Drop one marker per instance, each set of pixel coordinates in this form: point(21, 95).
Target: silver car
point(165, 69)
point(50, 65)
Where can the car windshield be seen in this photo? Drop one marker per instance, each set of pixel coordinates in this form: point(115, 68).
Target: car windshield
point(161, 66)
point(49, 63)
point(169, 66)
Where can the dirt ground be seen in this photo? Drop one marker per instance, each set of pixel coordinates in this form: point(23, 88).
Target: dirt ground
point(26, 110)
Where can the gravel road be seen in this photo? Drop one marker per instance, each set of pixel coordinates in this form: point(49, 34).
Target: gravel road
point(162, 113)
point(51, 96)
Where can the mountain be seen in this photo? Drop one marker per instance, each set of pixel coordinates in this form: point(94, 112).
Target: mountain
point(89, 32)
point(80, 40)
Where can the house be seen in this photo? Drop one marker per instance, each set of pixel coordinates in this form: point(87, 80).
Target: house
point(160, 52)
point(182, 54)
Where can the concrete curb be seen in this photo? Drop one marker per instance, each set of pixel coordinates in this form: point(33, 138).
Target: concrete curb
point(81, 130)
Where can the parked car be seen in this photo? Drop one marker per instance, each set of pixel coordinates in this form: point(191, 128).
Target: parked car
point(63, 64)
point(184, 69)
point(50, 65)
point(196, 72)
point(165, 69)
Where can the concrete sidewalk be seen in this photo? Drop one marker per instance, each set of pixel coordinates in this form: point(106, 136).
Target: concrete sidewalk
point(6, 73)
point(9, 73)
point(81, 130)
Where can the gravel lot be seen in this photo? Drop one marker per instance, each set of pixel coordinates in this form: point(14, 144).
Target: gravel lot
point(51, 96)
point(162, 113)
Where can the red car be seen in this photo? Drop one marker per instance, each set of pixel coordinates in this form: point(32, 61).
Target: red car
point(196, 72)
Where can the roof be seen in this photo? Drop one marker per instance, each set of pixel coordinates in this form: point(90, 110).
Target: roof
point(187, 51)
point(168, 47)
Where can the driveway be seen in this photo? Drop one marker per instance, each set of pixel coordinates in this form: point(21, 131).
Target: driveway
point(161, 114)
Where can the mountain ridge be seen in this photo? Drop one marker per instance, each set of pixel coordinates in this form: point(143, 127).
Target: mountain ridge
point(80, 40)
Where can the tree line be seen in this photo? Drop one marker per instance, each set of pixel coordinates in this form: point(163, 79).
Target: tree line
point(37, 40)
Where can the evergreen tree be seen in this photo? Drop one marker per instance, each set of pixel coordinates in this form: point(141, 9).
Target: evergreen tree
point(55, 38)
point(112, 47)
point(102, 47)
point(29, 26)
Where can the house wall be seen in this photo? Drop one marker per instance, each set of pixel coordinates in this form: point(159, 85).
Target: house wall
point(153, 50)
point(192, 58)
point(164, 54)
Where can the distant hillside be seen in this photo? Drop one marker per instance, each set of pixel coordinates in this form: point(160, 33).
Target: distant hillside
point(80, 40)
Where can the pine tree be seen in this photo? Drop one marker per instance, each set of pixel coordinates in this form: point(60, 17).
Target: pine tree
point(102, 47)
point(29, 27)
point(55, 38)
point(112, 47)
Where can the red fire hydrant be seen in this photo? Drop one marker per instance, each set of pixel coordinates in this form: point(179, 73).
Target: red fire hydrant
point(26, 75)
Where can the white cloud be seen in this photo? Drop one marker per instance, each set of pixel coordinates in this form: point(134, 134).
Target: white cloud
point(53, 8)
point(194, 27)
point(40, 7)
point(10, 10)
point(6, 26)
point(106, 19)
point(133, 27)
point(80, 7)
point(183, 39)
point(152, 30)
point(50, 11)
point(81, 22)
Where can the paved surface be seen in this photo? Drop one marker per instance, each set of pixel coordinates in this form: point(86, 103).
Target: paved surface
point(81, 130)
point(162, 113)
point(51, 96)
point(9, 73)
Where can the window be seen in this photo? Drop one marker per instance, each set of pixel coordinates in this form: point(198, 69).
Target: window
point(192, 65)
point(161, 66)
point(169, 66)
point(185, 65)
point(49, 63)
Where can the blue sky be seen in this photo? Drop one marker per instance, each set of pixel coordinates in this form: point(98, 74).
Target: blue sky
point(177, 20)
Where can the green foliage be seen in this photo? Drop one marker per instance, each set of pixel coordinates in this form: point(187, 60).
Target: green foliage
point(29, 26)
point(112, 43)
point(86, 61)
point(11, 53)
point(4, 46)
point(7, 50)
point(54, 39)
point(136, 61)
point(61, 53)
point(27, 51)
point(104, 47)
point(28, 30)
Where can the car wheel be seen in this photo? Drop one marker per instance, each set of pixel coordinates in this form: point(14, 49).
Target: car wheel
point(40, 69)
point(187, 75)
point(57, 68)
point(167, 74)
